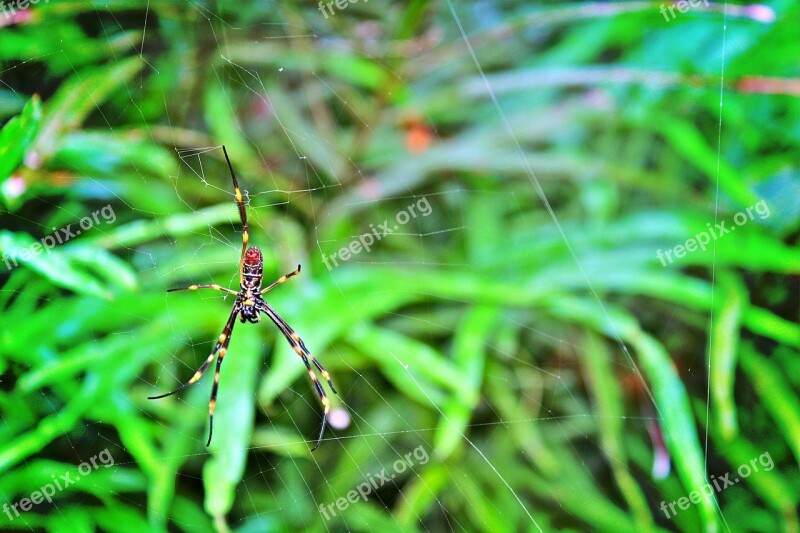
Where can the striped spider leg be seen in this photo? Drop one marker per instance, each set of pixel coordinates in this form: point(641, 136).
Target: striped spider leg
point(300, 349)
point(221, 347)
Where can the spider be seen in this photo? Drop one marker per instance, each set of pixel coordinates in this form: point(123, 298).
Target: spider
point(248, 305)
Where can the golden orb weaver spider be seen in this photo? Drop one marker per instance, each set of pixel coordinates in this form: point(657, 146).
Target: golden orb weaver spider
point(248, 305)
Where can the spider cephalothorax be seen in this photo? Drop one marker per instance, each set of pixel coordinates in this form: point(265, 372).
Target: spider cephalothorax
point(248, 306)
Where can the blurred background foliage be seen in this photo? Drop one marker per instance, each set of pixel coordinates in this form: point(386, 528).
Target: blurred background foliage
point(546, 367)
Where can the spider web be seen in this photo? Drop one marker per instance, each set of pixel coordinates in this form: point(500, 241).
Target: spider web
point(266, 199)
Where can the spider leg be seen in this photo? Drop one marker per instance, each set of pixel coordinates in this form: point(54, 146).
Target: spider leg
point(242, 215)
point(295, 340)
point(317, 364)
point(221, 347)
point(282, 279)
point(212, 404)
point(299, 347)
point(195, 287)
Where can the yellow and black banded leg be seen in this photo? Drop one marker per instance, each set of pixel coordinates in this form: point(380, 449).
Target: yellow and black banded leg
point(317, 364)
point(212, 404)
point(326, 404)
point(242, 215)
point(298, 346)
point(222, 342)
point(282, 279)
point(195, 287)
point(294, 339)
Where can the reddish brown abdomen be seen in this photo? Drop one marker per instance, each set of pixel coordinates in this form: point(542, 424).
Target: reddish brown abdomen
point(252, 256)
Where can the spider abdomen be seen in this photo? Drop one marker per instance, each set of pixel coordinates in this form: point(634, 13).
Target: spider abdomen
point(253, 256)
point(252, 269)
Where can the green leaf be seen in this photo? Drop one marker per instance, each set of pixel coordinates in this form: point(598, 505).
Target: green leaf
point(669, 394)
point(722, 351)
point(778, 399)
point(233, 422)
point(687, 140)
point(411, 357)
point(102, 152)
point(469, 356)
point(81, 94)
point(54, 265)
point(15, 137)
point(607, 395)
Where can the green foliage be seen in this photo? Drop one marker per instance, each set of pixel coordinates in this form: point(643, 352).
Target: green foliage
point(543, 361)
